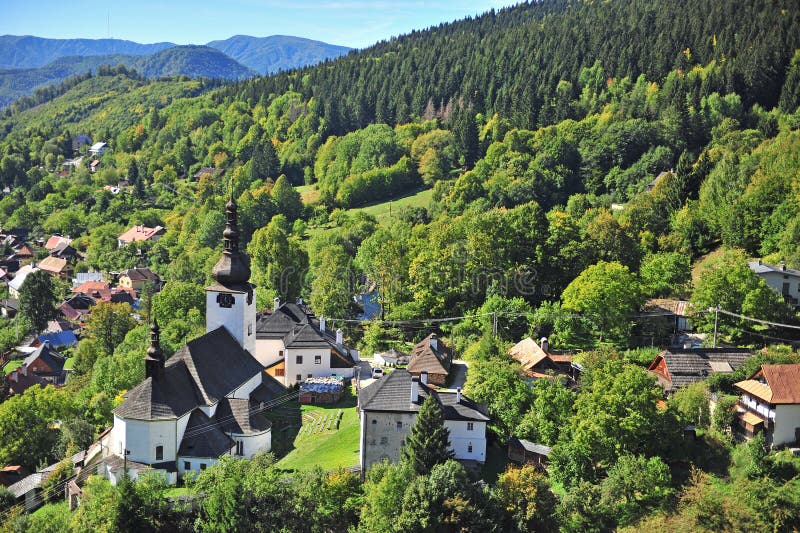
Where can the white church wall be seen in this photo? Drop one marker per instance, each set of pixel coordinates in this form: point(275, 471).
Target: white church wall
point(243, 392)
point(142, 438)
point(239, 319)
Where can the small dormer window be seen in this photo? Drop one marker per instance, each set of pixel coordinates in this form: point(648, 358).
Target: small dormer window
point(159, 453)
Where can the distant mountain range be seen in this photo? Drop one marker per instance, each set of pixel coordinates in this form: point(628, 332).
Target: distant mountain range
point(27, 62)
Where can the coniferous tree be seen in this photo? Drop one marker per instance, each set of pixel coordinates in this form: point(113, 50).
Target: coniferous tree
point(428, 444)
point(37, 299)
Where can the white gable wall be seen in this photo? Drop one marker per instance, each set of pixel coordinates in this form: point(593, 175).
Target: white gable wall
point(461, 438)
point(787, 422)
point(268, 351)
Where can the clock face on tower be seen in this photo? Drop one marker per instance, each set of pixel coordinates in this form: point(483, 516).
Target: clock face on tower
point(225, 300)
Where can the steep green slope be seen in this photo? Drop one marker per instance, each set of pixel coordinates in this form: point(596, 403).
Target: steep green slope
point(271, 54)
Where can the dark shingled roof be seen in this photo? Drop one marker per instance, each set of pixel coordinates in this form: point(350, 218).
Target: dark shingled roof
point(202, 372)
point(687, 366)
point(234, 416)
point(269, 389)
point(393, 393)
point(49, 356)
point(204, 438)
point(173, 397)
point(299, 328)
point(425, 358)
point(217, 364)
point(532, 447)
point(278, 323)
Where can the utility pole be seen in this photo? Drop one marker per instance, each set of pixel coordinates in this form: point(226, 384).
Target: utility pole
point(716, 320)
point(125, 455)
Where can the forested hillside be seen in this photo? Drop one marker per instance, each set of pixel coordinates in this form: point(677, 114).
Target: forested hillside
point(524, 63)
point(27, 51)
point(192, 61)
point(580, 158)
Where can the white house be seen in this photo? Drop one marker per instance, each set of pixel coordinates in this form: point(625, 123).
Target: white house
point(206, 401)
point(294, 345)
point(785, 281)
point(388, 408)
point(19, 278)
point(770, 402)
point(98, 148)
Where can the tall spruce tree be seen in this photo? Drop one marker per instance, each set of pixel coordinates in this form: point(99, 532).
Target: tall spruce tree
point(37, 299)
point(428, 444)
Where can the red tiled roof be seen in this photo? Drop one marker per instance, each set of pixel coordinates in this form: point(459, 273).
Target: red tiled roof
point(55, 240)
point(96, 289)
point(782, 384)
point(140, 233)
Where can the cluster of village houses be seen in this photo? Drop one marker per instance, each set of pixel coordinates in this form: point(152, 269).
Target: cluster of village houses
point(209, 398)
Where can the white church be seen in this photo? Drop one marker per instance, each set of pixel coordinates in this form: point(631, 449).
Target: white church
point(206, 401)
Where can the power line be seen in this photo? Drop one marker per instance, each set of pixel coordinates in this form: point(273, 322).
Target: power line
point(751, 319)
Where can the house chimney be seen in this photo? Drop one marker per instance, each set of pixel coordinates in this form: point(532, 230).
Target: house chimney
point(759, 261)
point(339, 337)
point(783, 266)
point(545, 344)
point(322, 323)
point(276, 303)
point(458, 395)
point(434, 342)
point(414, 389)
point(423, 377)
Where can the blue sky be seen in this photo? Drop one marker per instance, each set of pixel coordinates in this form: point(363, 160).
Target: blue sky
point(356, 23)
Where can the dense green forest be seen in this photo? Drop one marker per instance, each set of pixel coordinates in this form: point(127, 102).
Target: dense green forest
point(582, 158)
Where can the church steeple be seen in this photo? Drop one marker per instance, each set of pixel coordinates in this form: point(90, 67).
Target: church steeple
point(233, 267)
point(154, 362)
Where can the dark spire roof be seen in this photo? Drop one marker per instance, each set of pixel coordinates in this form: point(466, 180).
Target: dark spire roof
point(233, 268)
point(154, 362)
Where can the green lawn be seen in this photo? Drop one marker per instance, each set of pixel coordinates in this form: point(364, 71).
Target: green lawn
point(385, 211)
point(11, 366)
point(69, 364)
point(326, 448)
point(174, 492)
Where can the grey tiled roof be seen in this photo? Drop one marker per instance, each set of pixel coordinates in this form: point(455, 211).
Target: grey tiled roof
point(762, 268)
point(299, 328)
point(217, 364)
point(204, 438)
point(202, 372)
point(690, 366)
point(28, 483)
point(49, 357)
point(532, 447)
point(278, 323)
point(234, 416)
point(393, 393)
point(172, 397)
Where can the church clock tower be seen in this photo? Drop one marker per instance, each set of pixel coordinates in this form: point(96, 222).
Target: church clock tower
point(231, 302)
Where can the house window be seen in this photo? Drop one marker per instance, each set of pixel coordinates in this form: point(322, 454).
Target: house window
point(280, 372)
point(373, 423)
point(239, 448)
point(249, 329)
point(120, 447)
point(299, 360)
point(470, 426)
point(384, 440)
point(309, 375)
point(159, 453)
point(317, 359)
point(202, 466)
point(399, 426)
point(280, 353)
point(469, 448)
point(298, 377)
